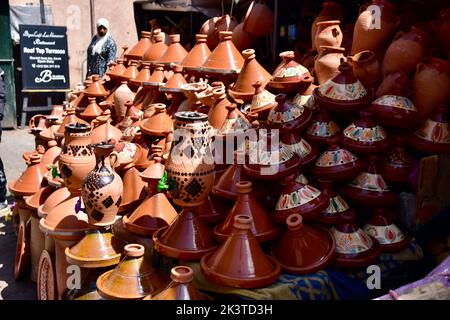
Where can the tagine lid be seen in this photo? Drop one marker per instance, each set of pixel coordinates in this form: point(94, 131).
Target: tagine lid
point(337, 163)
point(187, 238)
point(303, 249)
point(133, 278)
point(292, 140)
point(37, 199)
point(322, 128)
point(138, 50)
point(262, 99)
point(299, 198)
point(225, 58)
point(289, 72)
point(104, 130)
point(131, 72)
point(287, 116)
point(337, 206)
point(251, 268)
point(175, 52)
point(51, 155)
point(92, 110)
point(68, 119)
point(388, 234)
point(262, 227)
point(157, 49)
point(98, 248)
point(159, 124)
point(434, 134)
point(31, 179)
point(354, 247)
point(156, 78)
point(143, 76)
point(225, 186)
point(365, 135)
point(116, 72)
point(52, 201)
point(96, 88)
point(234, 123)
point(175, 82)
point(198, 54)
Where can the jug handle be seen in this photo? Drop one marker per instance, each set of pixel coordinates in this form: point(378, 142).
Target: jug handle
point(419, 67)
point(398, 35)
point(114, 163)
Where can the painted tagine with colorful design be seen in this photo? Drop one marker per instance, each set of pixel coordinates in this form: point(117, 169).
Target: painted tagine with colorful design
point(330, 216)
point(287, 116)
point(322, 128)
point(395, 111)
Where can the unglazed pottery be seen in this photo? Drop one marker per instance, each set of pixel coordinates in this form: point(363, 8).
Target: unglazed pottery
point(298, 198)
point(240, 261)
point(132, 279)
point(31, 179)
point(121, 96)
point(262, 227)
point(198, 54)
point(303, 249)
point(287, 116)
point(337, 206)
point(46, 282)
point(102, 188)
point(433, 136)
point(131, 72)
point(133, 189)
point(343, 92)
point(190, 166)
point(187, 238)
point(175, 52)
point(366, 68)
point(369, 188)
point(159, 124)
point(68, 119)
point(242, 39)
point(390, 237)
point(218, 113)
point(104, 130)
point(395, 111)
point(92, 111)
point(365, 136)
point(322, 128)
point(116, 72)
point(328, 33)
point(138, 50)
point(331, 10)
point(290, 76)
point(337, 163)
point(326, 65)
point(354, 247)
point(259, 19)
point(394, 83)
point(156, 50)
point(96, 88)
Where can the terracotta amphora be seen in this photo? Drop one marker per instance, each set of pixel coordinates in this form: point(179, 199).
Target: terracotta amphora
point(328, 34)
point(331, 10)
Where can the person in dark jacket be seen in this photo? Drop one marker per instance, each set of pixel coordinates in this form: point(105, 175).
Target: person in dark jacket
point(3, 203)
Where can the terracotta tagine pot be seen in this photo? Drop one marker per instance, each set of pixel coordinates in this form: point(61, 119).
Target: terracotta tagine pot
point(434, 135)
point(242, 39)
point(212, 28)
point(181, 287)
point(259, 19)
point(328, 33)
point(175, 52)
point(198, 54)
point(397, 163)
point(294, 142)
point(96, 88)
point(303, 249)
point(365, 136)
point(213, 210)
point(326, 65)
point(390, 237)
point(104, 130)
point(31, 179)
point(92, 111)
point(430, 86)
point(142, 77)
point(395, 83)
point(58, 196)
point(251, 72)
point(173, 87)
point(268, 160)
point(369, 188)
point(190, 90)
point(299, 198)
point(287, 116)
point(337, 206)
point(132, 279)
point(225, 59)
point(261, 226)
point(305, 98)
point(133, 189)
point(159, 124)
point(116, 72)
point(187, 238)
point(102, 188)
point(157, 49)
point(190, 166)
point(262, 102)
point(131, 72)
point(290, 76)
point(354, 247)
point(70, 118)
point(99, 248)
point(331, 10)
point(155, 211)
point(218, 113)
point(366, 36)
point(322, 128)
point(337, 163)
point(395, 111)
point(366, 69)
point(138, 50)
point(406, 51)
point(51, 155)
point(342, 93)
point(240, 262)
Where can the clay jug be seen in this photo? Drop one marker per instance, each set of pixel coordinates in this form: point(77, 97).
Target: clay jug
point(430, 86)
point(441, 28)
point(259, 19)
point(327, 63)
point(366, 68)
point(374, 26)
point(328, 34)
point(242, 39)
point(406, 51)
point(102, 188)
point(330, 11)
point(190, 166)
point(121, 96)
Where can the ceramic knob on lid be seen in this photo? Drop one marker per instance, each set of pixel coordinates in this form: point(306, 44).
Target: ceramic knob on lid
point(336, 207)
point(290, 76)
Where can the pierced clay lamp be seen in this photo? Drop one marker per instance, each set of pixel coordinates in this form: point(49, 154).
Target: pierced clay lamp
point(240, 261)
point(303, 249)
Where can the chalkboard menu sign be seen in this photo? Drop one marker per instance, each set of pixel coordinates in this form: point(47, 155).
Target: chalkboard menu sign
point(44, 57)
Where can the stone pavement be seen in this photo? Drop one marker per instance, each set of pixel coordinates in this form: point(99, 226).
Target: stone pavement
point(14, 144)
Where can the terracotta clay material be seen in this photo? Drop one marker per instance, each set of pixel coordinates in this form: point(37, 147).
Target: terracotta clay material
point(441, 27)
point(242, 39)
point(187, 238)
point(287, 116)
point(290, 76)
point(92, 111)
point(365, 136)
point(433, 135)
point(180, 288)
point(157, 49)
point(262, 227)
point(326, 65)
point(395, 83)
point(240, 261)
point(131, 72)
point(397, 162)
point(303, 249)
point(96, 88)
point(175, 52)
point(366, 69)
point(218, 113)
point(133, 190)
point(52, 201)
point(132, 279)
point(251, 72)
point(354, 247)
point(175, 81)
point(122, 95)
point(337, 164)
point(292, 140)
point(138, 50)
point(262, 102)
point(159, 124)
point(369, 188)
point(22, 257)
point(116, 72)
point(328, 33)
point(30, 180)
point(330, 11)
point(259, 19)
point(299, 198)
point(38, 199)
point(198, 54)
point(46, 283)
point(337, 206)
point(342, 93)
point(213, 210)
point(322, 128)
point(395, 111)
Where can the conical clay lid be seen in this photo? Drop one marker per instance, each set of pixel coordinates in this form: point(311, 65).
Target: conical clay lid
point(175, 53)
point(198, 54)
